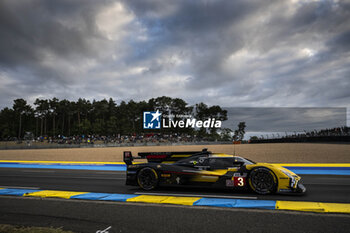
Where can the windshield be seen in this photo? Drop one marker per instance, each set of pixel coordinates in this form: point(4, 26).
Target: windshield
point(199, 159)
point(247, 161)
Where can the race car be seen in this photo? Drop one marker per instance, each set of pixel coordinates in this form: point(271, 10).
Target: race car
point(207, 169)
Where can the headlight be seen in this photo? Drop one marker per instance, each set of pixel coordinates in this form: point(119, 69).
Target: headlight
point(293, 182)
point(287, 173)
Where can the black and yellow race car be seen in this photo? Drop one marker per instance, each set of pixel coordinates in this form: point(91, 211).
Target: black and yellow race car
point(207, 169)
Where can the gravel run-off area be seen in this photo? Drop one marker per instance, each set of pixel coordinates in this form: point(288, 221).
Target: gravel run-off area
point(270, 152)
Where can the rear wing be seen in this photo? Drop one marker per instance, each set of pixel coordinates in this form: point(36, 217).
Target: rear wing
point(158, 157)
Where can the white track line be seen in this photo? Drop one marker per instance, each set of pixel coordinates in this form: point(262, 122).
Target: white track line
point(18, 187)
point(195, 195)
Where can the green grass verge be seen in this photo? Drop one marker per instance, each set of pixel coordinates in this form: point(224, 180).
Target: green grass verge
point(4, 228)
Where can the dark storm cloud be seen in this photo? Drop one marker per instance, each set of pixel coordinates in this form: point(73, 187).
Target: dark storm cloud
point(40, 41)
point(208, 32)
point(340, 42)
point(29, 27)
point(230, 53)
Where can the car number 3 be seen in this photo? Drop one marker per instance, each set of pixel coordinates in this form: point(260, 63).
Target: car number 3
point(240, 181)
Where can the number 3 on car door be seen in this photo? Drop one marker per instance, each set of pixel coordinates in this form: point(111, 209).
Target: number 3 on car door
point(239, 181)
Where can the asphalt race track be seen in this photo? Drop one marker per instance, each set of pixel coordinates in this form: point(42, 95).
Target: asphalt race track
point(90, 216)
point(321, 188)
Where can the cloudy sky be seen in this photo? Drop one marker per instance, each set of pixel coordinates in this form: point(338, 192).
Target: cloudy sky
point(233, 53)
point(285, 119)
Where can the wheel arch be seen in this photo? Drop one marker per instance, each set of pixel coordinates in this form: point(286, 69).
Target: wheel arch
point(275, 177)
point(154, 170)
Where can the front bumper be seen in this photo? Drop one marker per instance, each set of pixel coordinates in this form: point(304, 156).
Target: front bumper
point(299, 189)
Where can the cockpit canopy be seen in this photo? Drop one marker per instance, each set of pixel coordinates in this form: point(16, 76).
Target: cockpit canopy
point(214, 161)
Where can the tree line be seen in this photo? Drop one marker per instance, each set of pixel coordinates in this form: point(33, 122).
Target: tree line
point(53, 117)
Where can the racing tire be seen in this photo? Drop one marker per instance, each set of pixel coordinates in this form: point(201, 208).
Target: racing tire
point(147, 178)
point(262, 181)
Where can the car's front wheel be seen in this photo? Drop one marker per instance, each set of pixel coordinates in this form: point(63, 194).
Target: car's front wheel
point(262, 181)
point(147, 178)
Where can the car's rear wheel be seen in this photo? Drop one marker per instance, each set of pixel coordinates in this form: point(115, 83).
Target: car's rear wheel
point(147, 178)
point(262, 180)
